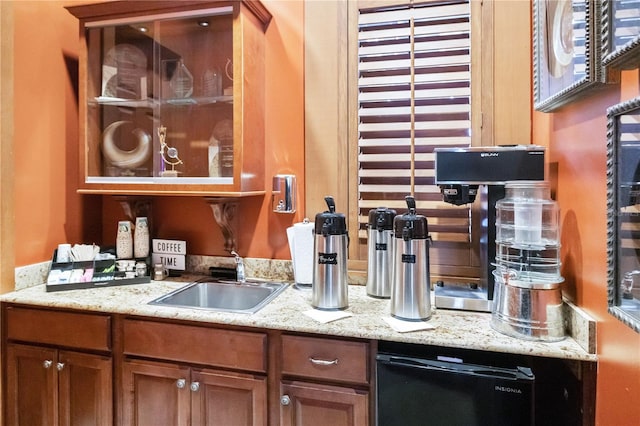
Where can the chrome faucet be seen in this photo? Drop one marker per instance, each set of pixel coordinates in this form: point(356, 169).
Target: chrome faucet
point(240, 276)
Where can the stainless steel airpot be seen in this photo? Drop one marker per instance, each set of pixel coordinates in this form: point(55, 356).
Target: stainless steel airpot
point(411, 291)
point(380, 252)
point(331, 240)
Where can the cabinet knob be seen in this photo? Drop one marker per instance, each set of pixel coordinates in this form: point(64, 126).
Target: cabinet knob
point(181, 383)
point(323, 361)
point(47, 364)
point(60, 366)
point(194, 386)
point(285, 400)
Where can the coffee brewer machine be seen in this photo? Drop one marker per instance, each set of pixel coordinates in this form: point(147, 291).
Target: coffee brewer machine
point(464, 173)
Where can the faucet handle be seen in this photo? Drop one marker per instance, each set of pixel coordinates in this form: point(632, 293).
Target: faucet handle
point(240, 276)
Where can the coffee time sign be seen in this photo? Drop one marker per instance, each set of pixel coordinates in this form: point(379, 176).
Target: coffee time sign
point(171, 253)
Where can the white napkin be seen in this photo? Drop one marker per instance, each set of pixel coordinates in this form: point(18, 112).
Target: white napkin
point(407, 326)
point(326, 316)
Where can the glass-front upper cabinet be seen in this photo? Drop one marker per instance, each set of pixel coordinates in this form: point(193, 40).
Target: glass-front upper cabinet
point(172, 97)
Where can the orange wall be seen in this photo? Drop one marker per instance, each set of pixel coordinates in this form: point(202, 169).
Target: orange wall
point(48, 211)
point(576, 140)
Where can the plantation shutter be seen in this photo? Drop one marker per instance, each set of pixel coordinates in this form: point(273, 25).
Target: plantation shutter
point(414, 95)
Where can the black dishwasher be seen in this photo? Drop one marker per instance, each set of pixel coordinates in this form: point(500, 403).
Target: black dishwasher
point(442, 389)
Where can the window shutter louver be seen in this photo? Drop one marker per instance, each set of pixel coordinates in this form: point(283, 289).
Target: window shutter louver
point(414, 95)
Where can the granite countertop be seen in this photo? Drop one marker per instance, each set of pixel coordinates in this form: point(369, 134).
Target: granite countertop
point(458, 329)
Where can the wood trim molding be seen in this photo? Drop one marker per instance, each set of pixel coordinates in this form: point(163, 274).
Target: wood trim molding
point(326, 109)
point(7, 253)
point(511, 74)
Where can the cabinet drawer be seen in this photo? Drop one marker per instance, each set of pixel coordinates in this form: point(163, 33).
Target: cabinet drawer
point(185, 343)
point(330, 359)
point(68, 329)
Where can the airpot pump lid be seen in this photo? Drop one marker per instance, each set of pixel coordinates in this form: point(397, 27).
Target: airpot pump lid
point(330, 222)
point(411, 226)
point(381, 218)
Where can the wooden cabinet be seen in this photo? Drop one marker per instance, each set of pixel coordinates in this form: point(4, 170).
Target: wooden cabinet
point(50, 386)
point(183, 392)
point(172, 97)
point(188, 396)
point(308, 404)
point(70, 367)
point(324, 381)
point(152, 391)
point(59, 370)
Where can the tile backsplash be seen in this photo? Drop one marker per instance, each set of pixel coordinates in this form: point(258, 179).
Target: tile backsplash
point(30, 275)
point(280, 270)
point(271, 269)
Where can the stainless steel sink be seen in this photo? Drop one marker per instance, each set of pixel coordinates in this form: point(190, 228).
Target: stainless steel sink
point(223, 295)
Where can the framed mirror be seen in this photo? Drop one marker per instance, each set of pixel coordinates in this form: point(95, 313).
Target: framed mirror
point(623, 212)
point(620, 34)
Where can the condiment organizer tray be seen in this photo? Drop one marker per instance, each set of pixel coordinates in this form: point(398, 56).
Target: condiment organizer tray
point(103, 274)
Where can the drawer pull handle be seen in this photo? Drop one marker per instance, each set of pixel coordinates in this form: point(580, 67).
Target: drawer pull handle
point(47, 364)
point(285, 400)
point(181, 383)
point(194, 386)
point(60, 366)
point(323, 361)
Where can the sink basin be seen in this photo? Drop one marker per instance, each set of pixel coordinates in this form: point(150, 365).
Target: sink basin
point(223, 295)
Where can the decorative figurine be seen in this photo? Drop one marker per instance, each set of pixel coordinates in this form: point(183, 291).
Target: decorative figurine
point(171, 152)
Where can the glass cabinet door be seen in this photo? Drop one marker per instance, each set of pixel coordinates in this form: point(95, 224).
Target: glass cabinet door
point(160, 110)
point(161, 101)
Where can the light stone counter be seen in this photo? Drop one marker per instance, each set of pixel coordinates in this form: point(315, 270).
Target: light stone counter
point(457, 329)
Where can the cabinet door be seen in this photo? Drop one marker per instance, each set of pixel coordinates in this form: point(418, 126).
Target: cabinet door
point(155, 393)
point(85, 389)
point(230, 399)
point(305, 404)
point(31, 386)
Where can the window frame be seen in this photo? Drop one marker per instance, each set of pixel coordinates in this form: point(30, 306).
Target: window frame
point(504, 87)
point(357, 251)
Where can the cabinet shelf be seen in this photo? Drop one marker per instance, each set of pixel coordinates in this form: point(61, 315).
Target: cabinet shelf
point(131, 103)
point(204, 100)
point(151, 103)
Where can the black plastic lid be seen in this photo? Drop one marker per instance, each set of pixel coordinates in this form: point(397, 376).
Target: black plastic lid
point(330, 222)
point(381, 219)
point(411, 226)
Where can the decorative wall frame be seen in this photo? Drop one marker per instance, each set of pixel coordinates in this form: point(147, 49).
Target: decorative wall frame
point(620, 35)
point(623, 212)
point(566, 51)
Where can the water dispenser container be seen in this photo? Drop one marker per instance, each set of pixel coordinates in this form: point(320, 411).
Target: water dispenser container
point(528, 298)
